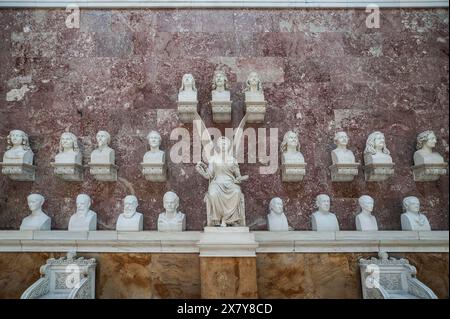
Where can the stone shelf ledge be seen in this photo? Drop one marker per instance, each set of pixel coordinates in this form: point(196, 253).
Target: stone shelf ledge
point(187, 242)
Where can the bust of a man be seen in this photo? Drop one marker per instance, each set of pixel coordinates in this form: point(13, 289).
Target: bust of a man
point(290, 149)
point(342, 155)
point(188, 91)
point(37, 220)
point(254, 90)
point(323, 219)
point(130, 219)
point(412, 219)
point(103, 154)
point(220, 86)
point(69, 152)
point(376, 151)
point(276, 219)
point(365, 221)
point(84, 219)
point(426, 141)
point(155, 155)
point(18, 148)
point(171, 219)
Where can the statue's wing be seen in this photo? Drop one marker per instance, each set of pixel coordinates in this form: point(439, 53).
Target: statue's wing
point(237, 136)
point(205, 137)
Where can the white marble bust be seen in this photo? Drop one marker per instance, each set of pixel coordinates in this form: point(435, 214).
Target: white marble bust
point(376, 151)
point(323, 219)
point(276, 219)
point(412, 219)
point(171, 219)
point(84, 219)
point(426, 141)
point(155, 155)
point(342, 155)
point(220, 87)
point(69, 152)
point(365, 221)
point(103, 154)
point(254, 90)
point(290, 149)
point(18, 150)
point(130, 219)
point(37, 220)
point(188, 91)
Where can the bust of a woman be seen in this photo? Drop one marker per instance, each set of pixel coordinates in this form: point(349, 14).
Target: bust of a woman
point(69, 152)
point(376, 151)
point(18, 149)
point(188, 91)
point(342, 155)
point(103, 154)
point(155, 155)
point(220, 87)
point(290, 149)
point(426, 141)
point(365, 221)
point(254, 89)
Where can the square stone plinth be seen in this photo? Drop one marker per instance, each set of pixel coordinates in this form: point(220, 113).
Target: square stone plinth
point(227, 242)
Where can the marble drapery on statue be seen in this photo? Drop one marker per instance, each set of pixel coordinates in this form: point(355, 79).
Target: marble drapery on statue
point(225, 204)
point(224, 200)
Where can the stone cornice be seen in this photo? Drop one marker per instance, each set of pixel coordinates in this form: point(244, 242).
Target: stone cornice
point(225, 4)
point(188, 242)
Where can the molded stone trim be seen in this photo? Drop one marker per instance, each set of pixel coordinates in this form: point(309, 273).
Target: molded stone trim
point(225, 4)
point(188, 241)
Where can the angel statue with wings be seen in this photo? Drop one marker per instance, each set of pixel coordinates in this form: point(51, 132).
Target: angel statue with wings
point(224, 200)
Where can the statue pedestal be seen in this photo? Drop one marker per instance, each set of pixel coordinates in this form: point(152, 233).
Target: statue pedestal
point(186, 111)
point(154, 172)
point(68, 172)
point(19, 171)
point(104, 172)
point(228, 263)
point(344, 172)
point(221, 111)
point(378, 172)
point(256, 111)
point(429, 172)
point(293, 172)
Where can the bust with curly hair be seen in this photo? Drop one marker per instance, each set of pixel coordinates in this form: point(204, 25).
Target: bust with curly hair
point(18, 148)
point(290, 149)
point(69, 151)
point(376, 151)
point(426, 141)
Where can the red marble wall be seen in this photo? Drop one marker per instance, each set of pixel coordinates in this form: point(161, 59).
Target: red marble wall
point(323, 70)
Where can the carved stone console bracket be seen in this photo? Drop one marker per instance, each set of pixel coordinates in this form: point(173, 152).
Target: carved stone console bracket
point(19, 172)
point(104, 172)
point(378, 172)
point(344, 172)
point(69, 172)
point(429, 172)
point(187, 110)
